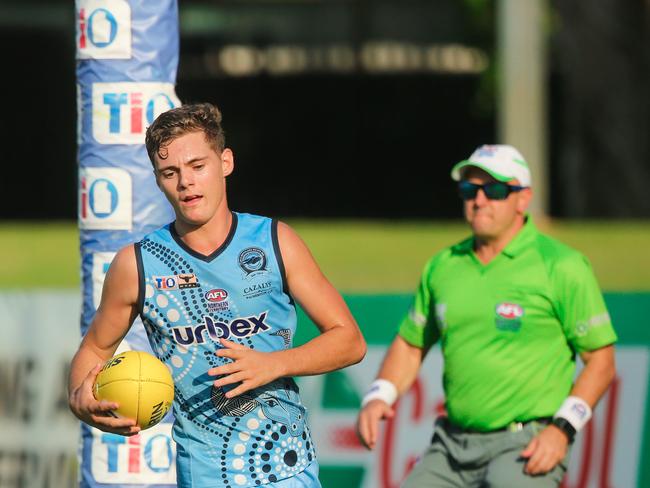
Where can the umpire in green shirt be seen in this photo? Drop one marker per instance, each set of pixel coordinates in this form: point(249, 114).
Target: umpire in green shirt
point(511, 308)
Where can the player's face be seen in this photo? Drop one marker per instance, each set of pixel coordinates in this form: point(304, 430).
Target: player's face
point(491, 219)
point(192, 177)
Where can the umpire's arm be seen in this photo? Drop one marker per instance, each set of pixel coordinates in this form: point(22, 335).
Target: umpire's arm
point(400, 367)
point(597, 375)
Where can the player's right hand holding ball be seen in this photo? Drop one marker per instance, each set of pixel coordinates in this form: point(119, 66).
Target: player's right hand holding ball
point(368, 421)
point(99, 414)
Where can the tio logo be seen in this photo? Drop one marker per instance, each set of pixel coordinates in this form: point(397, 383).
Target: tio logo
point(103, 29)
point(122, 111)
point(165, 282)
point(101, 198)
point(135, 453)
point(148, 457)
point(101, 261)
point(105, 199)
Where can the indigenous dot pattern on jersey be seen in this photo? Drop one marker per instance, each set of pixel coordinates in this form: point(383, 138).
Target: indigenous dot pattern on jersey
point(260, 436)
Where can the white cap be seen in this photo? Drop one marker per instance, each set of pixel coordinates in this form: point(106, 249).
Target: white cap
point(502, 162)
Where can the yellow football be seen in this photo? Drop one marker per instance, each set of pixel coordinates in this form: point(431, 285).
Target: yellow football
point(139, 383)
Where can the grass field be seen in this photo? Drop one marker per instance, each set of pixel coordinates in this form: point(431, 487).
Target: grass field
point(357, 256)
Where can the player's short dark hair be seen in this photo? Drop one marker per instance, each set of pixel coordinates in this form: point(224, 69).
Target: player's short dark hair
point(199, 117)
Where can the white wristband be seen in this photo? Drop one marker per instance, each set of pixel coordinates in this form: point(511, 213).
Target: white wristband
point(575, 411)
point(381, 390)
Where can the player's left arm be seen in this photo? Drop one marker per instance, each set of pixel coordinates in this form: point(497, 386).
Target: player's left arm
point(339, 344)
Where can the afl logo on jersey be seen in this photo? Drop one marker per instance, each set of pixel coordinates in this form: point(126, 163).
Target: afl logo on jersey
point(217, 300)
point(216, 296)
point(510, 311)
point(508, 316)
point(252, 261)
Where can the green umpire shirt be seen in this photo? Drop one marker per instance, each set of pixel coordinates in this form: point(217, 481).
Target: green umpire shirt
point(509, 330)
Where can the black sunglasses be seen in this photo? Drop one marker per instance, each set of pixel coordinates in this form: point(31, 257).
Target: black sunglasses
point(494, 191)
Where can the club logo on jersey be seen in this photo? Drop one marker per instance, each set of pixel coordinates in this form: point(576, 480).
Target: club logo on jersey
point(217, 300)
point(508, 316)
point(187, 280)
point(176, 282)
point(103, 29)
point(237, 328)
point(258, 289)
point(252, 261)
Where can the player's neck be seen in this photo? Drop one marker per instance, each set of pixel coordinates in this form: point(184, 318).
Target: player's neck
point(208, 237)
point(488, 248)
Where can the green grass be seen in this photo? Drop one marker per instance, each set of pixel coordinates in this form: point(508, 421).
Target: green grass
point(357, 256)
point(388, 256)
point(39, 255)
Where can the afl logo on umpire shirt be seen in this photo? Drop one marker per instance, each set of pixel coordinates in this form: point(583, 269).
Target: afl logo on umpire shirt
point(252, 261)
point(508, 316)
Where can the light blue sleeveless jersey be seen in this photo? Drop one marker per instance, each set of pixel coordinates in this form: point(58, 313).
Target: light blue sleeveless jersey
point(187, 301)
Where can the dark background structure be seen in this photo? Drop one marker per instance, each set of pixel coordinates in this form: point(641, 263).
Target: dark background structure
point(344, 138)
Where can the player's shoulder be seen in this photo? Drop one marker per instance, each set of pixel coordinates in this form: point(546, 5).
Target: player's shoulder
point(291, 251)
point(122, 276)
point(125, 259)
point(288, 239)
point(284, 227)
point(253, 225)
point(163, 232)
point(251, 218)
point(559, 257)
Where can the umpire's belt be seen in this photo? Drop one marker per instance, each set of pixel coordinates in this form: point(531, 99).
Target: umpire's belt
point(513, 426)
